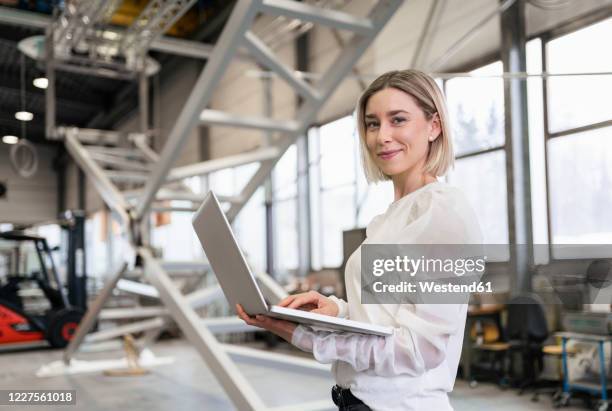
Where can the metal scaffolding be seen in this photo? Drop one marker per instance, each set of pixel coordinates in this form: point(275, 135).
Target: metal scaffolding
point(139, 165)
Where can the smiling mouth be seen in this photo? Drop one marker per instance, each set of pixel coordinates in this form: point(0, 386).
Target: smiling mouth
point(386, 155)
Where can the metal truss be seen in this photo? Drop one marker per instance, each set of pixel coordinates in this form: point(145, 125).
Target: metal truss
point(156, 18)
point(237, 33)
point(151, 180)
point(81, 43)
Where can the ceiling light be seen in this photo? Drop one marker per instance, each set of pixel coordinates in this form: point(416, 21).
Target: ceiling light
point(110, 35)
point(24, 115)
point(41, 82)
point(10, 139)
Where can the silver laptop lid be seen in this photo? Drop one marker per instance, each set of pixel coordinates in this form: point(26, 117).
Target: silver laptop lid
point(226, 258)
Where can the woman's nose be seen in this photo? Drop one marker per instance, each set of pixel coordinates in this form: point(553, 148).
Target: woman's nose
point(384, 133)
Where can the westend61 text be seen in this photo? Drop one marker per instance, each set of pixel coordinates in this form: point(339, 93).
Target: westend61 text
point(432, 287)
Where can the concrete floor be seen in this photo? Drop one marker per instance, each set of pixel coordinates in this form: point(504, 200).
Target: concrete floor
point(188, 385)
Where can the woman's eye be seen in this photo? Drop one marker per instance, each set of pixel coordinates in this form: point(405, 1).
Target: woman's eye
point(371, 125)
point(397, 120)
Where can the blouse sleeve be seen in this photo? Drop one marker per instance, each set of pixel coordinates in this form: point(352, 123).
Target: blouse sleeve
point(422, 331)
point(418, 345)
point(342, 306)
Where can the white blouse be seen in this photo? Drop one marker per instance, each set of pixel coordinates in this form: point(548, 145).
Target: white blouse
point(415, 367)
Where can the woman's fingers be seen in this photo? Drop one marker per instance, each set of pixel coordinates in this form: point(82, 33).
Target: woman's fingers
point(287, 300)
point(303, 299)
point(282, 328)
point(245, 317)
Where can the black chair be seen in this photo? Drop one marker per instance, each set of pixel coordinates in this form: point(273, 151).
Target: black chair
point(526, 331)
point(524, 334)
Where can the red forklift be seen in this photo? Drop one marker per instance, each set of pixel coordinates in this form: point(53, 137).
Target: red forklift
point(53, 317)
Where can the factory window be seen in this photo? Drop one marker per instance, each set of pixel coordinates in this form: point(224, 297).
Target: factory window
point(580, 176)
point(580, 100)
point(285, 213)
point(250, 223)
point(476, 110)
point(250, 229)
point(579, 144)
point(333, 168)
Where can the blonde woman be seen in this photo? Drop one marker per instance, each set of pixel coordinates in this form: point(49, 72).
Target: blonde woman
point(405, 137)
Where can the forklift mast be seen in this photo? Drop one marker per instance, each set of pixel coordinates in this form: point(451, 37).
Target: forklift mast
point(73, 222)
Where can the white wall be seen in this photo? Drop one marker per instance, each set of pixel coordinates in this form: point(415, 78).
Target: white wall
point(29, 200)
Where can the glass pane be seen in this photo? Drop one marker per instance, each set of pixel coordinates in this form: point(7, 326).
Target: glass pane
point(227, 182)
point(580, 176)
point(483, 180)
point(222, 182)
point(98, 262)
point(177, 239)
point(286, 239)
point(476, 110)
point(337, 148)
point(315, 199)
point(580, 100)
point(337, 215)
point(285, 174)
point(250, 229)
point(537, 163)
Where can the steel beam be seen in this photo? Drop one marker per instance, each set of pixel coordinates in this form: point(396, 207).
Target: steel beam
point(126, 176)
point(305, 12)
point(520, 216)
point(239, 21)
point(221, 118)
point(116, 151)
point(154, 20)
point(283, 362)
point(165, 44)
point(134, 287)
point(204, 296)
point(132, 328)
point(104, 186)
point(140, 141)
point(92, 313)
point(238, 389)
point(166, 195)
point(266, 57)
point(92, 136)
point(143, 101)
point(225, 325)
point(326, 85)
point(174, 209)
point(210, 166)
point(131, 313)
point(118, 162)
point(50, 97)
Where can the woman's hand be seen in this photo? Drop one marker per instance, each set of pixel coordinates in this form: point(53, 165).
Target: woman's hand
point(311, 301)
point(282, 328)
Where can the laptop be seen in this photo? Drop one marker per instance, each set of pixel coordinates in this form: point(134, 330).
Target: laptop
point(239, 284)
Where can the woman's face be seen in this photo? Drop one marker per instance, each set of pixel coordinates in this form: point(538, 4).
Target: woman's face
point(397, 132)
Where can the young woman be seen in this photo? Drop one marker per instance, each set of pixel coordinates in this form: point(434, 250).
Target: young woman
point(405, 137)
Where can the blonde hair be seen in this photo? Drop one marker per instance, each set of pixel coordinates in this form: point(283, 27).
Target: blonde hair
point(430, 99)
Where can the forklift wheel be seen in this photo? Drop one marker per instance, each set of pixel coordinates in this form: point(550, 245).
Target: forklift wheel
point(62, 326)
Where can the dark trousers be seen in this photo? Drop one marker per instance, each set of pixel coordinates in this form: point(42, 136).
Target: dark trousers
point(346, 401)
